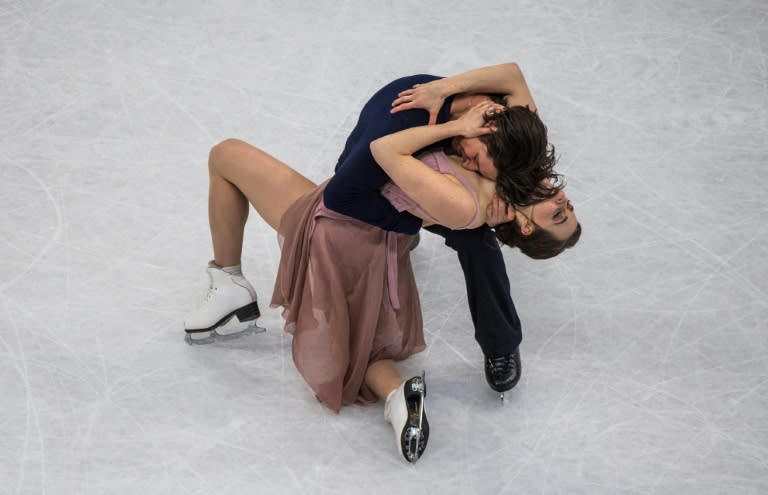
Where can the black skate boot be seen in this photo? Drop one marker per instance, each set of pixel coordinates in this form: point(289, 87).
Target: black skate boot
point(405, 410)
point(502, 373)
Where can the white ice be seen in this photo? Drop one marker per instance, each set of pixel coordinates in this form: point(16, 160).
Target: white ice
point(645, 348)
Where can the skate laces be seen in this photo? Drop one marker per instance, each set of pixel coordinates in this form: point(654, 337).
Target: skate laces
point(209, 294)
point(501, 367)
point(211, 291)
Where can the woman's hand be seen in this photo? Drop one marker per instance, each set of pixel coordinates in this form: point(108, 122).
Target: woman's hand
point(428, 96)
point(474, 122)
point(498, 212)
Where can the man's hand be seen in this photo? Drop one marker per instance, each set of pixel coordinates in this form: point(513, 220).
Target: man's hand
point(428, 96)
point(498, 212)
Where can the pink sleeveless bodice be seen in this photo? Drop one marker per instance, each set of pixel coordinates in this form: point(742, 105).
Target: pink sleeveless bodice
point(436, 160)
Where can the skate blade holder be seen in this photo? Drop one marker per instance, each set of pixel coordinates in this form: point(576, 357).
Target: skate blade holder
point(205, 338)
point(415, 435)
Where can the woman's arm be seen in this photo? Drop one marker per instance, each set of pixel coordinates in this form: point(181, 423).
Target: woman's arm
point(354, 188)
point(443, 197)
point(506, 79)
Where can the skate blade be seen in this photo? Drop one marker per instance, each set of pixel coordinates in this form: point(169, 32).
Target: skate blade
point(415, 437)
point(205, 338)
point(413, 440)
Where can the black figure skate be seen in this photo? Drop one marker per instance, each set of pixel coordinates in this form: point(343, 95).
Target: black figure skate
point(502, 373)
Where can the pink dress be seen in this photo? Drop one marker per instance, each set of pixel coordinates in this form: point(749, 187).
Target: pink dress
point(348, 293)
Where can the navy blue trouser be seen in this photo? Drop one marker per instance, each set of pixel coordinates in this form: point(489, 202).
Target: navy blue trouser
point(497, 326)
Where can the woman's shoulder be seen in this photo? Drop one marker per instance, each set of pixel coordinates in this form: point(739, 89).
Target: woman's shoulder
point(436, 159)
point(482, 188)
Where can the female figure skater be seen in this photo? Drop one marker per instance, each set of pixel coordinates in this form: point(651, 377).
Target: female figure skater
point(347, 288)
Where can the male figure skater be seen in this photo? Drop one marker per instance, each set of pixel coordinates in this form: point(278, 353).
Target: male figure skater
point(404, 103)
point(398, 106)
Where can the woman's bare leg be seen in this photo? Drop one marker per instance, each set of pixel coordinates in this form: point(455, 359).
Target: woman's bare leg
point(382, 377)
point(239, 174)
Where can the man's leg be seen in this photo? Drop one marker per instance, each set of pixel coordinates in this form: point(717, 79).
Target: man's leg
point(497, 326)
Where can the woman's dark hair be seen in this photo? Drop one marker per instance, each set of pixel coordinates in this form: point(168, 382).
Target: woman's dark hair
point(525, 161)
point(539, 244)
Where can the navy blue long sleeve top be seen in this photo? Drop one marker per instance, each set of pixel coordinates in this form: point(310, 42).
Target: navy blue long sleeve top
point(354, 189)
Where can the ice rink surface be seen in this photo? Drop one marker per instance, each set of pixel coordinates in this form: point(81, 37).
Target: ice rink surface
point(645, 347)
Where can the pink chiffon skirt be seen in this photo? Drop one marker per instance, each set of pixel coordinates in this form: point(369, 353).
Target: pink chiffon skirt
point(349, 298)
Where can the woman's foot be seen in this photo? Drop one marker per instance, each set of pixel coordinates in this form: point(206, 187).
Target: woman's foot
point(229, 305)
point(404, 409)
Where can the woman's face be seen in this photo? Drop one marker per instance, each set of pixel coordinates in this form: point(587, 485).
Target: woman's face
point(555, 215)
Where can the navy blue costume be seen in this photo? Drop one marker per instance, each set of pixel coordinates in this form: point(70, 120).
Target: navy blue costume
point(354, 191)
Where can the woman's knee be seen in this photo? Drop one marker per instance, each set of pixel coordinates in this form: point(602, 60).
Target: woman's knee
point(221, 152)
point(228, 153)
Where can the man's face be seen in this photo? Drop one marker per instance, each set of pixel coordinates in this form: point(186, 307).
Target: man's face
point(474, 157)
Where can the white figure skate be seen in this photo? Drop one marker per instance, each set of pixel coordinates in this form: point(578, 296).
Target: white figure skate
point(405, 410)
point(227, 312)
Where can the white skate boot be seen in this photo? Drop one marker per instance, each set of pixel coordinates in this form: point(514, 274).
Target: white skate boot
point(405, 410)
point(227, 312)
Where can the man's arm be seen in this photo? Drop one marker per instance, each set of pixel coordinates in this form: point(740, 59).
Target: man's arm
point(504, 79)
